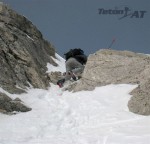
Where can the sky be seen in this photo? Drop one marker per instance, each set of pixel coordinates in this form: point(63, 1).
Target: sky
point(71, 24)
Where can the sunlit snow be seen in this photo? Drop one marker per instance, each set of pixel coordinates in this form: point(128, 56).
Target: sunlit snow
point(100, 116)
point(61, 64)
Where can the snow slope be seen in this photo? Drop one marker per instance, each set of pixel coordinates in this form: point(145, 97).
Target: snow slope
point(100, 116)
point(61, 64)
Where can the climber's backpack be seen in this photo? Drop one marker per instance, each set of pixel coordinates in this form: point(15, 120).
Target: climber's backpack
point(73, 53)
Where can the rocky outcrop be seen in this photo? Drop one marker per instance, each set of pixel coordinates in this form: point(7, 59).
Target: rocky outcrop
point(140, 102)
point(119, 67)
point(23, 53)
point(7, 105)
point(55, 76)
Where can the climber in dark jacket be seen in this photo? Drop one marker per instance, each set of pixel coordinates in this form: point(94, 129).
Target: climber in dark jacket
point(74, 67)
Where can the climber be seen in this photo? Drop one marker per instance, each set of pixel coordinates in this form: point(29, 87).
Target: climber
point(75, 61)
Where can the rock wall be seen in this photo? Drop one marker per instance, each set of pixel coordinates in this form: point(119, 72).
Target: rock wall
point(23, 53)
point(119, 67)
point(140, 102)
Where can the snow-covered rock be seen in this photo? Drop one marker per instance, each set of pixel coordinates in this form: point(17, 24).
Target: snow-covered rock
point(119, 67)
point(7, 105)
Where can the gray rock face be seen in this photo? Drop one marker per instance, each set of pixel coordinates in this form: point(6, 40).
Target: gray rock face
point(23, 53)
point(7, 105)
point(119, 67)
point(140, 102)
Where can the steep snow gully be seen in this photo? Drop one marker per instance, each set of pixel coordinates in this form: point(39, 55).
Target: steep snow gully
point(100, 116)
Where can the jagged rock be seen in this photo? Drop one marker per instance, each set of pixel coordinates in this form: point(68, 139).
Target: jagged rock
point(55, 76)
point(7, 105)
point(24, 53)
point(119, 67)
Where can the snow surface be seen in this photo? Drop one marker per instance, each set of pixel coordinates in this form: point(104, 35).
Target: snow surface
point(100, 116)
point(61, 64)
